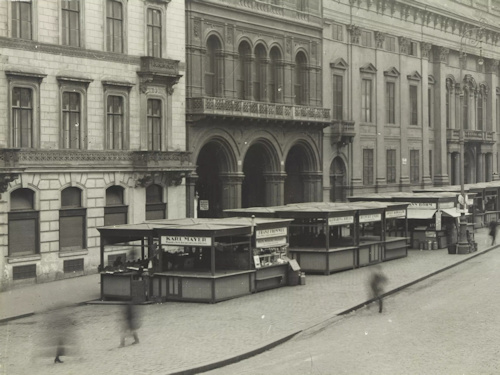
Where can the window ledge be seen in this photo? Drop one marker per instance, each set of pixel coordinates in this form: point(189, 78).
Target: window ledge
point(72, 253)
point(24, 259)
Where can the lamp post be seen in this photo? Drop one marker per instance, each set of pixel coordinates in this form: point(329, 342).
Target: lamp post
point(473, 35)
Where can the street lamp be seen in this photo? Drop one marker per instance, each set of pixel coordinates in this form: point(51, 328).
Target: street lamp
point(473, 36)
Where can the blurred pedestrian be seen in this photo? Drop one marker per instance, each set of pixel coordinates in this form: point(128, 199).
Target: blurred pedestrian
point(377, 283)
point(130, 324)
point(493, 231)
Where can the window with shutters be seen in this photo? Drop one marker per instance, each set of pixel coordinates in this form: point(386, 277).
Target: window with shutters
point(155, 207)
point(22, 19)
point(115, 212)
point(114, 26)
point(391, 166)
point(70, 17)
point(154, 32)
point(23, 219)
point(367, 166)
point(72, 221)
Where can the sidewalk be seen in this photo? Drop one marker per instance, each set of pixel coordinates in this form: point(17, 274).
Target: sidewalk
point(223, 333)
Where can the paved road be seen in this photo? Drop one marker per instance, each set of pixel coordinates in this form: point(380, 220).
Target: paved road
point(448, 324)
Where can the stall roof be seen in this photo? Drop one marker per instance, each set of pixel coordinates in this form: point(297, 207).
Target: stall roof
point(420, 214)
point(213, 229)
point(453, 212)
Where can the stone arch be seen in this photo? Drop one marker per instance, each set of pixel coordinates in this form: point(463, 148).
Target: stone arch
point(338, 179)
point(214, 34)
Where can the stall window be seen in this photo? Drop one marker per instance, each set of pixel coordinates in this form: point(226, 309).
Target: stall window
point(23, 223)
point(72, 220)
point(155, 208)
point(115, 212)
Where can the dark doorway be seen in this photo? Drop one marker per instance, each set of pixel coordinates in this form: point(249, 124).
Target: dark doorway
point(253, 191)
point(208, 185)
point(337, 180)
point(294, 182)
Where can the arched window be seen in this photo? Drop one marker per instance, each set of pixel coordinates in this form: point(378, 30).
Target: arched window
point(448, 109)
point(260, 74)
point(465, 109)
point(301, 81)
point(155, 208)
point(480, 117)
point(243, 71)
point(72, 221)
point(23, 219)
point(115, 212)
point(275, 82)
point(212, 67)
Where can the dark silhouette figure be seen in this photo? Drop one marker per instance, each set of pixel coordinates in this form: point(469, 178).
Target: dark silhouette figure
point(130, 324)
point(60, 339)
point(493, 231)
point(377, 282)
point(59, 350)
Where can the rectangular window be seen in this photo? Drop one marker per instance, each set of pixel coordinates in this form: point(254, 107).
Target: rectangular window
point(338, 96)
point(498, 113)
point(413, 105)
point(22, 117)
point(390, 43)
point(413, 51)
point(391, 166)
point(367, 166)
point(366, 101)
point(480, 112)
point(429, 106)
point(23, 233)
point(154, 33)
point(154, 124)
point(22, 22)
point(390, 102)
point(71, 109)
point(115, 120)
point(72, 229)
point(71, 22)
point(414, 166)
point(430, 163)
point(73, 265)
point(465, 110)
point(366, 38)
point(114, 26)
point(24, 272)
point(115, 215)
point(337, 32)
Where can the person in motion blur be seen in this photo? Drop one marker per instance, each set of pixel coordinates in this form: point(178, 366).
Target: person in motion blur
point(130, 324)
point(377, 282)
point(493, 231)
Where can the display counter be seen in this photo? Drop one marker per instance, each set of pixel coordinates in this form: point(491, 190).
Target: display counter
point(325, 261)
point(395, 247)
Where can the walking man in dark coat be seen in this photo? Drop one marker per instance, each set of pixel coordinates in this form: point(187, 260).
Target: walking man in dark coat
point(377, 282)
point(130, 324)
point(493, 231)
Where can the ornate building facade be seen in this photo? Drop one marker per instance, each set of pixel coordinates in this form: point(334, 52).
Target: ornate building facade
point(92, 128)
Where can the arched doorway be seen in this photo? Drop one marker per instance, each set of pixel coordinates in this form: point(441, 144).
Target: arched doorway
point(253, 190)
point(297, 163)
point(337, 180)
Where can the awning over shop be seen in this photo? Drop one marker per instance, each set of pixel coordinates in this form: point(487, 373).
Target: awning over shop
point(420, 214)
point(453, 212)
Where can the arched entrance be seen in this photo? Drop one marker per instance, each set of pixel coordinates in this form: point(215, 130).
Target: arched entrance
point(301, 183)
point(337, 180)
point(253, 190)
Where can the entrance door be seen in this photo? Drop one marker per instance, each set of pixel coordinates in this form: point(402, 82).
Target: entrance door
point(337, 180)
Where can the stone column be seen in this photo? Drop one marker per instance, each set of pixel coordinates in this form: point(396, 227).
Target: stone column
point(275, 188)
point(231, 189)
point(312, 186)
point(191, 195)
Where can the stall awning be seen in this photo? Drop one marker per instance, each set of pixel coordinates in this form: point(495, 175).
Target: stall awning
point(453, 212)
point(420, 214)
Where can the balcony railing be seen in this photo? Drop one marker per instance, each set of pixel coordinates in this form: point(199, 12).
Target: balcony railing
point(260, 110)
point(453, 135)
point(342, 131)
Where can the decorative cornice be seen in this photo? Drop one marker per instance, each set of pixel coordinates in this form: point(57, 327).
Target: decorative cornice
point(415, 76)
point(340, 63)
point(392, 72)
point(368, 68)
point(431, 80)
point(17, 74)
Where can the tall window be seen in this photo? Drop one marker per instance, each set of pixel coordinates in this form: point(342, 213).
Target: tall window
point(115, 212)
point(212, 67)
point(413, 105)
point(154, 124)
point(366, 38)
point(430, 163)
point(480, 111)
point(114, 26)
point(260, 70)
point(498, 112)
point(429, 106)
point(301, 5)
point(337, 32)
point(366, 100)
point(448, 109)
point(71, 22)
point(367, 166)
point(338, 97)
point(301, 81)
point(22, 22)
point(390, 94)
point(275, 77)
point(413, 50)
point(71, 118)
point(465, 110)
point(243, 71)
point(22, 117)
point(414, 166)
point(154, 32)
point(114, 122)
point(72, 221)
point(391, 166)
point(155, 208)
point(23, 223)
point(390, 43)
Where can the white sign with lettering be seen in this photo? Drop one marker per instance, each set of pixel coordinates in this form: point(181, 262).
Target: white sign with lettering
point(270, 242)
point(395, 213)
point(369, 218)
point(186, 241)
point(423, 205)
point(340, 220)
point(273, 232)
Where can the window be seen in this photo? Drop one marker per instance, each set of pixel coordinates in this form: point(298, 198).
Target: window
point(390, 43)
point(114, 26)
point(480, 121)
point(366, 100)
point(71, 22)
point(337, 32)
point(212, 69)
point(390, 102)
point(448, 109)
point(465, 110)
point(275, 77)
point(301, 81)
point(414, 166)
point(22, 22)
point(366, 38)
point(22, 117)
point(430, 163)
point(367, 166)
point(72, 221)
point(243, 79)
point(498, 111)
point(73, 265)
point(413, 49)
point(23, 223)
point(154, 124)
point(429, 105)
point(338, 97)
point(391, 166)
point(260, 67)
point(155, 208)
point(301, 5)
point(413, 105)
point(71, 119)
point(24, 272)
point(115, 212)
point(154, 32)
point(114, 122)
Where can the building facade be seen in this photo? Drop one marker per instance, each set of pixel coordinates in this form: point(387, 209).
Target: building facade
point(92, 128)
point(402, 78)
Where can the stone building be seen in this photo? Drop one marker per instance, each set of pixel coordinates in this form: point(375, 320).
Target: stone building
point(401, 78)
point(92, 128)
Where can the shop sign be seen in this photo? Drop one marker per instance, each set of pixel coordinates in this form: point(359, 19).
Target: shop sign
point(270, 242)
point(340, 220)
point(274, 232)
point(430, 234)
point(369, 218)
point(423, 205)
point(186, 241)
point(204, 206)
point(447, 205)
point(395, 213)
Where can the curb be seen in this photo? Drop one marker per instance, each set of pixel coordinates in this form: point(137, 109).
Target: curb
point(10, 318)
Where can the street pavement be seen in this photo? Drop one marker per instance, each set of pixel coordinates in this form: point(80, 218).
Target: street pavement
point(188, 338)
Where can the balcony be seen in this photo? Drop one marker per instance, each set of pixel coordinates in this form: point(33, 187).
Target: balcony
point(481, 136)
point(159, 72)
point(342, 131)
point(225, 107)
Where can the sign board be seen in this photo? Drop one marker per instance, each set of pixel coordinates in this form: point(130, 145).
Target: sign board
point(294, 265)
point(430, 234)
point(274, 232)
point(256, 260)
point(270, 242)
point(395, 213)
point(340, 220)
point(204, 206)
point(186, 241)
point(370, 218)
point(446, 205)
point(424, 205)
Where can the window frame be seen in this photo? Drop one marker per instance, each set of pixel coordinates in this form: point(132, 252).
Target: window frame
point(368, 164)
point(337, 97)
point(161, 123)
point(337, 32)
point(366, 38)
point(391, 165)
point(390, 105)
point(414, 166)
point(110, 209)
point(367, 100)
point(150, 52)
point(413, 105)
point(156, 206)
point(124, 23)
point(121, 89)
point(73, 211)
point(64, 30)
point(390, 43)
point(34, 19)
point(24, 214)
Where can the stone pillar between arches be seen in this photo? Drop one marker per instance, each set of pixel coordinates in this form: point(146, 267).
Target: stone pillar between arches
point(231, 189)
point(275, 188)
point(191, 206)
point(312, 186)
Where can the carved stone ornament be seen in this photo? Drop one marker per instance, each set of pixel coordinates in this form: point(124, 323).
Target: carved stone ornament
point(443, 54)
point(355, 32)
point(175, 178)
point(145, 181)
point(6, 179)
point(426, 49)
point(492, 66)
point(379, 39)
point(404, 45)
point(196, 28)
